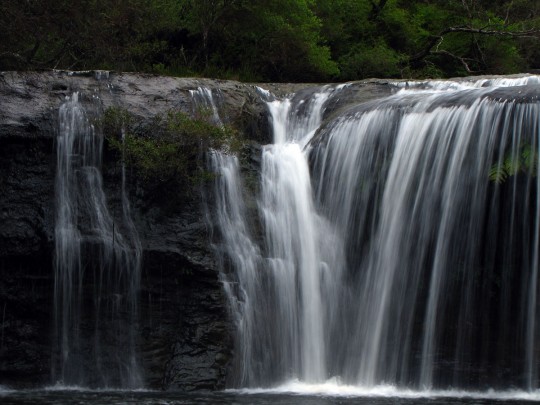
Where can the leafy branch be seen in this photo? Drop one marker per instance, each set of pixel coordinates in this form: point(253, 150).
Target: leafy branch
point(522, 161)
point(435, 42)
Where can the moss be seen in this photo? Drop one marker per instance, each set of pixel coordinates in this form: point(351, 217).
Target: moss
point(170, 149)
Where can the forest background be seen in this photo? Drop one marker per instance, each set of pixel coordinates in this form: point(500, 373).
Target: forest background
point(274, 40)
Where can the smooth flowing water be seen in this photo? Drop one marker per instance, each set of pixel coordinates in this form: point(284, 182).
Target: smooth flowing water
point(396, 245)
point(443, 259)
point(97, 263)
point(387, 255)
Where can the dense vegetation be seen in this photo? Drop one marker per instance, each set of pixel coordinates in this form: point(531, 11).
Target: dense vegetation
point(166, 152)
point(285, 40)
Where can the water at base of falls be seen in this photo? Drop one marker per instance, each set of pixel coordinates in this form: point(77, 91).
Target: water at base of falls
point(397, 248)
point(97, 265)
point(333, 390)
point(293, 393)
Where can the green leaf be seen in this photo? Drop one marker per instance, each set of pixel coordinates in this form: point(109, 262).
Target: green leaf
point(498, 173)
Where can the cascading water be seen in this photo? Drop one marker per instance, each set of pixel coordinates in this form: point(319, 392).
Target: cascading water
point(405, 253)
point(279, 310)
point(97, 269)
point(303, 257)
point(237, 248)
point(428, 266)
point(203, 99)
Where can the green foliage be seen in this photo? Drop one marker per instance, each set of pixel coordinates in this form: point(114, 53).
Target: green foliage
point(376, 61)
point(524, 160)
point(167, 151)
point(280, 39)
point(272, 40)
point(83, 34)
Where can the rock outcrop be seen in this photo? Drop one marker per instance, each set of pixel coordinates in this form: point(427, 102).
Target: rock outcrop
point(185, 329)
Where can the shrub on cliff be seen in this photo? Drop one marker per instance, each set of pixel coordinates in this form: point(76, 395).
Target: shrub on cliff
point(169, 149)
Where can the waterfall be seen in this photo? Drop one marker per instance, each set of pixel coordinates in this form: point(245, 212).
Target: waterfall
point(302, 254)
point(203, 99)
point(398, 246)
point(428, 264)
point(97, 268)
point(238, 251)
point(278, 311)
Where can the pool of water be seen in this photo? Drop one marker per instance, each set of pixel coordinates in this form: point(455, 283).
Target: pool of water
point(292, 393)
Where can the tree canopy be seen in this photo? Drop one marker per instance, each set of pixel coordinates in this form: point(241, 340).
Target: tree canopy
point(274, 40)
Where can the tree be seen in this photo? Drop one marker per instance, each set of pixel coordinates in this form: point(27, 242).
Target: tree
point(286, 40)
point(82, 34)
point(479, 39)
point(276, 40)
point(203, 18)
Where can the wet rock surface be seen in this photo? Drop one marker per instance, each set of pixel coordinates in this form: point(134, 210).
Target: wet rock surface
point(184, 326)
point(25, 320)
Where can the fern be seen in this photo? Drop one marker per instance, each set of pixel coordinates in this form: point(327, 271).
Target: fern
point(498, 173)
point(524, 161)
point(530, 159)
point(512, 165)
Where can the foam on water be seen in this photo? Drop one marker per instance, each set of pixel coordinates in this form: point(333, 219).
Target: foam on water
point(451, 85)
point(59, 387)
point(65, 387)
point(5, 390)
point(333, 388)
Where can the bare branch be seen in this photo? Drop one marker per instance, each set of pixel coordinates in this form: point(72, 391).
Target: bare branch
point(459, 58)
point(466, 7)
point(13, 55)
point(485, 31)
point(507, 17)
point(436, 40)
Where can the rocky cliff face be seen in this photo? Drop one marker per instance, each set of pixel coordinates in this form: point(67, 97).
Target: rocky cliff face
point(184, 328)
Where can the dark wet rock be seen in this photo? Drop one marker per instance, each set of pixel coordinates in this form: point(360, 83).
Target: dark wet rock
point(185, 329)
point(25, 320)
point(184, 326)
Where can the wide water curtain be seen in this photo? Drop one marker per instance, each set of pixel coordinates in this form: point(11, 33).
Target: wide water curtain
point(398, 242)
point(97, 268)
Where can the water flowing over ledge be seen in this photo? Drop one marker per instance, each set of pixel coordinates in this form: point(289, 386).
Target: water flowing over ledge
point(388, 240)
point(89, 241)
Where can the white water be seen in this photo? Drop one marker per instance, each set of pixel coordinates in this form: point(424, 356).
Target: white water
point(429, 224)
point(204, 99)
point(444, 85)
point(295, 255)
point(299, 245)
point(387, 256)
point(5, 391)
point(97, 269)
point(333, 388)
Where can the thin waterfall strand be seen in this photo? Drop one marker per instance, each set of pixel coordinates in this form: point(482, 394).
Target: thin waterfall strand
point(91, 251)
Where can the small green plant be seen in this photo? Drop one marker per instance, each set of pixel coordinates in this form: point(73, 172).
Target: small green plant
point(524, 160)
point(170, 148)
point(115, 119)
